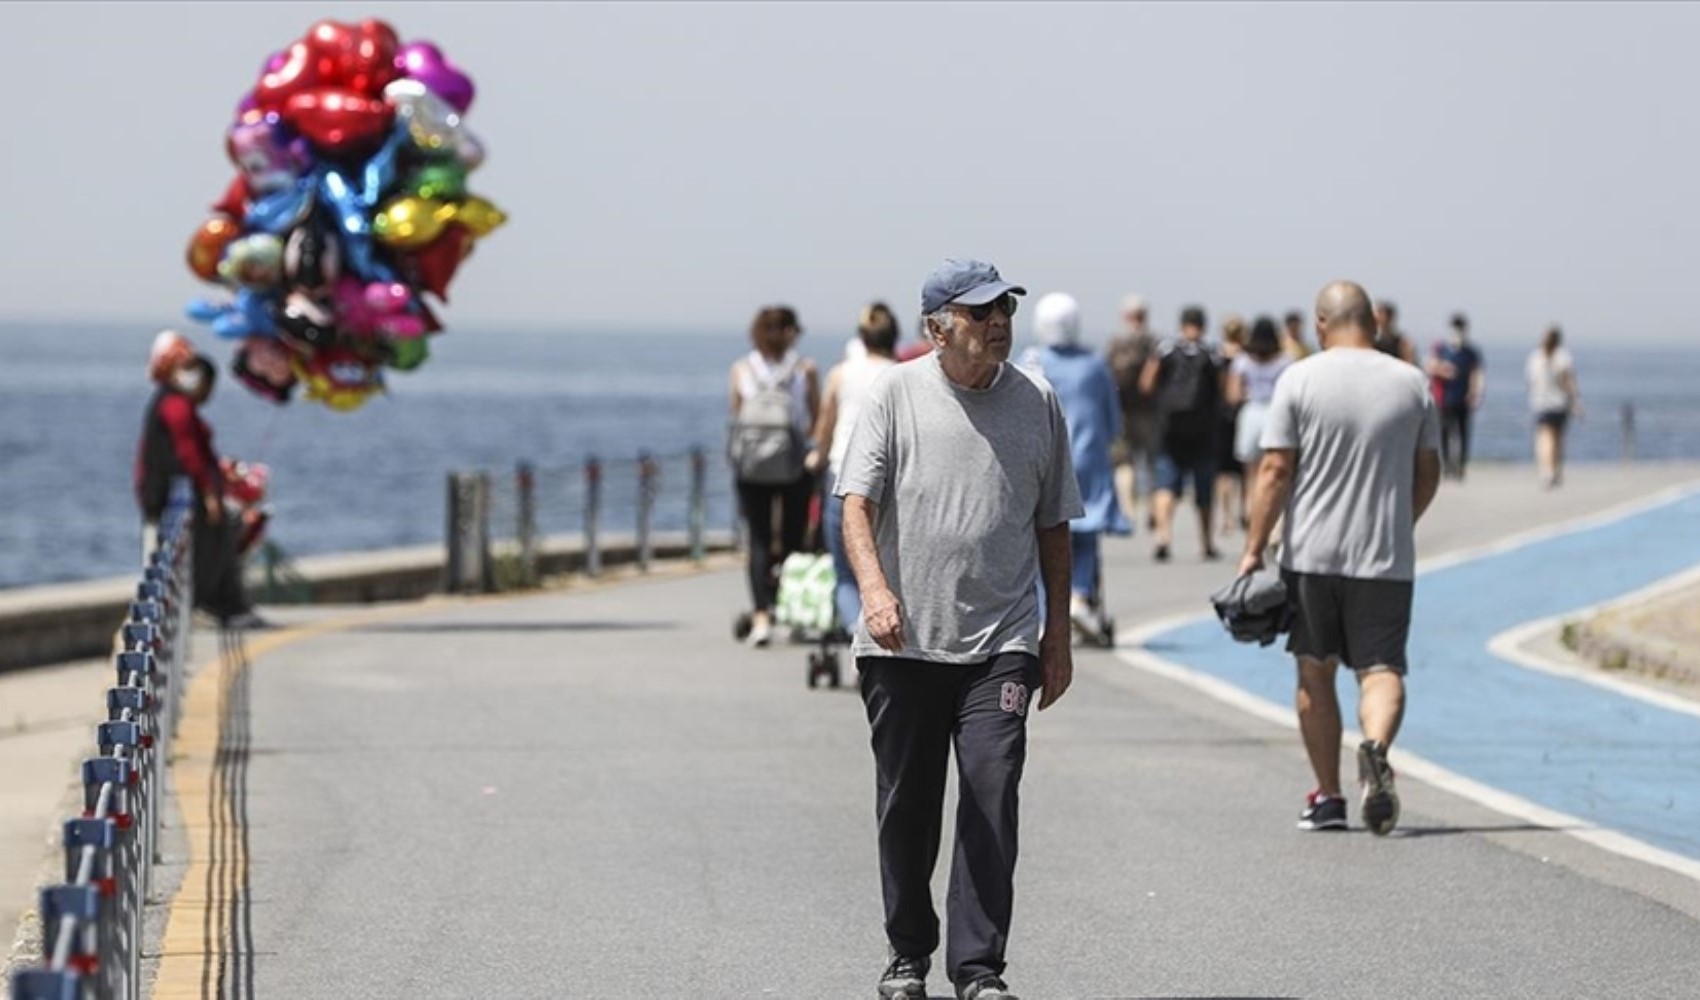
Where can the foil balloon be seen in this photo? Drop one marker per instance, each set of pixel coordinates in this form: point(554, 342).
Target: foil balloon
point(353, 225)
point(306, 324)
point(282, 210)
point(262, 364)
point(234, 202)
point(254, 261)
point(367, 57)
point(207, 246)
point(349, 216)
point(424, 62)
point(338, 121)
point(409, 222)
point(269, 159)
point(312, 257)
point(441, 181)
point(339, 378)
point(406, 355)
point(435, 126)
point(379, 309)
point(248, 314)
point(434, 266)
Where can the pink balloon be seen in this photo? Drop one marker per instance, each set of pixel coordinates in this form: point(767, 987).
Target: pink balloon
point(426, 63)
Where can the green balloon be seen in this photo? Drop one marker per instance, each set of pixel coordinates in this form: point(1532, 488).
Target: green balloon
point(406, 355)
point(441, 181)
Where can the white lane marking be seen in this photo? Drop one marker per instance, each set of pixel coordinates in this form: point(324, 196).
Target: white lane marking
point(1131, 651)
point(1617, 512)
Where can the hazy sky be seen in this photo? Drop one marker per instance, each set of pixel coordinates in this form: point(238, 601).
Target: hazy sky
point(679, 165)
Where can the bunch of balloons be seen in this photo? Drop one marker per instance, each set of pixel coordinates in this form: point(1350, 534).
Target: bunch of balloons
point(350, 204)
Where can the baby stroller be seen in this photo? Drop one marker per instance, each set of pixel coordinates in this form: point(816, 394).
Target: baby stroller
point(806, 607)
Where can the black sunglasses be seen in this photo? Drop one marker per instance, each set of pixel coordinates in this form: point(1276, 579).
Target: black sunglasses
point(1005, 304)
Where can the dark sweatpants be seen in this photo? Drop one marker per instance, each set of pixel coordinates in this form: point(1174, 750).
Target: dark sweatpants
point(1455, 439)
point(916, 711)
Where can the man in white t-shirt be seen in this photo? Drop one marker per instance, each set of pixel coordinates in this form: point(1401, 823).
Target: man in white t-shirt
point(1351, 456)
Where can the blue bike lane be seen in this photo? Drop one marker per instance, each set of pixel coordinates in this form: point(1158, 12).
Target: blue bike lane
point(1609, 759)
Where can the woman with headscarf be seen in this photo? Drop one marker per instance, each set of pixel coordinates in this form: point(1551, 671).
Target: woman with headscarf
point(1090, 404)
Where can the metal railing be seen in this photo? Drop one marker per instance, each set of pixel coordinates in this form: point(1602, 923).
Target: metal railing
point(92, 922)
point(505, 531)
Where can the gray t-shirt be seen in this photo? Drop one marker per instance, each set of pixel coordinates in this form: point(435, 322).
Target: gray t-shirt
point(1357, 419)
point(963, 479)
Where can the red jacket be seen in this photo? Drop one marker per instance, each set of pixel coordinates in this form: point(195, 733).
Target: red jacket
point(175, 441)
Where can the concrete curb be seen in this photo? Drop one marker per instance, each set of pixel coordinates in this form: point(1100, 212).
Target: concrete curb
point(63, 622)
point(1659, 639)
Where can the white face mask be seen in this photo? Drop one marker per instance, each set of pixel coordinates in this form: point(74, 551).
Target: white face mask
point(188, 380)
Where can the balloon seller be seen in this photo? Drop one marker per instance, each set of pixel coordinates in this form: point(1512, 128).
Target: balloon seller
point(349, 207)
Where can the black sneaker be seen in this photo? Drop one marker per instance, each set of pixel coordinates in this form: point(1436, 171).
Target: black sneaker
point(1161, 553)
point(1381, 800)
point(1323, 812)
point(905, 978)
point(986, 988)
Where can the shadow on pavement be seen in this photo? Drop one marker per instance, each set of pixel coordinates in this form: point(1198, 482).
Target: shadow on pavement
point(1442, 831)
point(405, 628)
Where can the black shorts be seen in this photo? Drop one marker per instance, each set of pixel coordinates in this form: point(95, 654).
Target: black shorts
point(1556, 419)
point(1363, 623)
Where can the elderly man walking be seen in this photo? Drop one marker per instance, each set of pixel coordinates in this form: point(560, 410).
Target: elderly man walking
point(958, 489)
point(1351, 454)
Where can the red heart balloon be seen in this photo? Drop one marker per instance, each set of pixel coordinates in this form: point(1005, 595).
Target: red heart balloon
point(338, 120)
point(301, 70)
point(434, 266)
point(368, 64)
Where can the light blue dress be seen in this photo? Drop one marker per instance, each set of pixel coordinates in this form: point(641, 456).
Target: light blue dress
point(1090, 404)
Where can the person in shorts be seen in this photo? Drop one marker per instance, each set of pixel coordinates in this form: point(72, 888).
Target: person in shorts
point(1185, 377)
point(1351, 456)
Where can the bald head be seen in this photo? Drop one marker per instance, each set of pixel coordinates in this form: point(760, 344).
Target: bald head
point(1344, 314)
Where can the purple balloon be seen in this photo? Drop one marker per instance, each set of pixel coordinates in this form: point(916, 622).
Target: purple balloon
point(426, 63)
point(276, 61)
point(247, 104)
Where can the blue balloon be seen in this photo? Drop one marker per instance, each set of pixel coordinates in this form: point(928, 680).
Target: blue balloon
point(279, 212)
point(353, 222)
point(249, 314)
point(379, 173)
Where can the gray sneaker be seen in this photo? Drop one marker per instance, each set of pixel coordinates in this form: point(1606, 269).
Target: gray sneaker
point(986, 988)
point(1380, 807)
point(905, 978)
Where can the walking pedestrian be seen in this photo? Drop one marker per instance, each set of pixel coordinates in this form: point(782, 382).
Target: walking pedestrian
point(841, 405)
point(176, 441)
point(1293, 336)
point(1456, 367)
point(1554, 397)
point(1230, 471)
point(775, 395)
point(1251, 385)
point(1389, 339)
point(958, 490)
point(1185, 376)
point(1135, 451)
point(1092, 408)
point(1351, 457)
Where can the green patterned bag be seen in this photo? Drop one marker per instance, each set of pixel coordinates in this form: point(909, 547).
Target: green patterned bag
point(805, 592)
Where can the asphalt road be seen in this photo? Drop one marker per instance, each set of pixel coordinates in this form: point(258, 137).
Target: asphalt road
point(596, 793)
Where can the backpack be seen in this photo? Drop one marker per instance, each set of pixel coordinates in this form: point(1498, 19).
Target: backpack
point(1191, 388)
point(765, 447)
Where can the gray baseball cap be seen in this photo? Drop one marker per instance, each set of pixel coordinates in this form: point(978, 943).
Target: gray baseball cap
point(966, 282)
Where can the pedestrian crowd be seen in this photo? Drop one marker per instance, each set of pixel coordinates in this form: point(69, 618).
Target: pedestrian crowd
point(963, 497)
